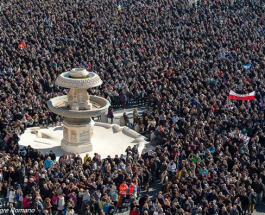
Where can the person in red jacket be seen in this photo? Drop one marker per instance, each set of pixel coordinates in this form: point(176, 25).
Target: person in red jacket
point(123, 189)
point(134, 211)
point(26, 201)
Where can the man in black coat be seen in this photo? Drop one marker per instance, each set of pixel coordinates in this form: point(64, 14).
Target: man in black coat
point(5, 173)
point(120, 178)
point(44, 191)
point(20, 175)
point(153, 167)
point(259, 189)
point(261, 157)
point(4, 200)
point(29, 186)
point(94, 208)
point(146, 178)
point(244, 202)
point(52, 155)
point(212, 196)
point(143, 200)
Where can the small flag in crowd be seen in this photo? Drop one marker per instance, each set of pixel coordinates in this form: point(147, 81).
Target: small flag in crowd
point(119, 5)
point(229, 57)
point(247, 67)
point(18, 71)
point(22, 45)
point(235, 96)
point(245, 138)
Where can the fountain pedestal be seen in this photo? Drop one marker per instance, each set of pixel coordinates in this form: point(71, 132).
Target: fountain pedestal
point(77, 135)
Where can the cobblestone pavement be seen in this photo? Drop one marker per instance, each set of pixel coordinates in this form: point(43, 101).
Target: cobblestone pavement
point(259, 209)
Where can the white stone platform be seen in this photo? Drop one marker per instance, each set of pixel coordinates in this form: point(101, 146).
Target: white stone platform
point(109, 139)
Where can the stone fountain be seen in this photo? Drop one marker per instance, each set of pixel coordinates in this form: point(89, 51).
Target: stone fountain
point(77, 108)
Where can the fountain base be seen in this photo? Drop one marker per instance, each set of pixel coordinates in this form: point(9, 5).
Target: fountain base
point(76, 148)
point(77, 135)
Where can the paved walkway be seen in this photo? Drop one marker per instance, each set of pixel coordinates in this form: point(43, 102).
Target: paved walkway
point(259, 209)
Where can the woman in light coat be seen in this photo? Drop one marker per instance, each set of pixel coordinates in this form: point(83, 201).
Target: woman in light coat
point(60, 203)
point(12, 196)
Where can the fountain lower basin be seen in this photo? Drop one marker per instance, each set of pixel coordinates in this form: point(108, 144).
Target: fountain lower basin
point(99, 107)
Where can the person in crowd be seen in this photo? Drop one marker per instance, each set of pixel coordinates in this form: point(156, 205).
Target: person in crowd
point(11, 209)
point(70, 211)
point(37, 205)
point(48, 162)
point(252, 199)
point(12, 196)
point(126, 119)
point(52, 156)
point(110, 115)
point(259, 189)
point(87, 210)
point(47, 205)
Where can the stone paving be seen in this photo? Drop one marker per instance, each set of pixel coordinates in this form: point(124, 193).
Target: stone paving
point(259, 209)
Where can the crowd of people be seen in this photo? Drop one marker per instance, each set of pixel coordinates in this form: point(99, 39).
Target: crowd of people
point(178, 58)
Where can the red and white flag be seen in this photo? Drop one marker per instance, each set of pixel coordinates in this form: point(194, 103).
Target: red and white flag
point(235, 96)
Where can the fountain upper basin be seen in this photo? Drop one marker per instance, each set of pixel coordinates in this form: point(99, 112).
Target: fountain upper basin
point(79, 79)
